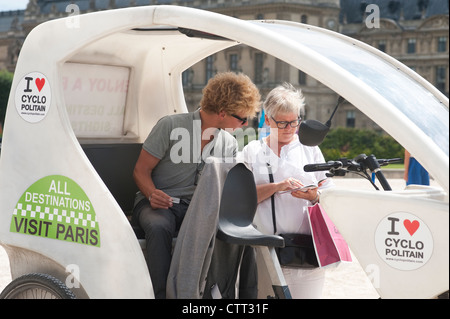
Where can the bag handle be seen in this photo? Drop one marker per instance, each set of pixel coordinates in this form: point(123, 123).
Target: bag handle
point(272, 199)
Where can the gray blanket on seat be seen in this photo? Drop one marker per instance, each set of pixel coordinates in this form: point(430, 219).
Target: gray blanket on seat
point(195, 242)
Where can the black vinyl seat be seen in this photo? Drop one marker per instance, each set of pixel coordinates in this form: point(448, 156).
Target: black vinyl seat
point(233, 254)
point(115, 164)
point(237, 209)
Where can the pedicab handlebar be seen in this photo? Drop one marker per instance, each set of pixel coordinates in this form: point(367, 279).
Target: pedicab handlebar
point(358, 165)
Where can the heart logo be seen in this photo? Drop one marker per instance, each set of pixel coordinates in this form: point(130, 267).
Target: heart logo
point(39, 83)
point(411, 226)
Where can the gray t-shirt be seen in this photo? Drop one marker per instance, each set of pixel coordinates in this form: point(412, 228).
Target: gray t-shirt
point(176, 141)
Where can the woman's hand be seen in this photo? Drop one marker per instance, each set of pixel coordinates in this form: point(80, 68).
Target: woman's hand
point(288, 184)
point(265, 191)
point(311, 194)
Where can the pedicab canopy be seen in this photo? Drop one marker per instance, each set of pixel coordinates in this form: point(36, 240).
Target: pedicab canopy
point(105, 78)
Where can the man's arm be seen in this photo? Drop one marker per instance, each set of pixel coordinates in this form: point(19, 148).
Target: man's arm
point(142, 175)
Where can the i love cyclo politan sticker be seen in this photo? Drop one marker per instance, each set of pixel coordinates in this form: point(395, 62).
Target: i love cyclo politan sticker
point(33, 97)
point(404, 241)
point(56, 207)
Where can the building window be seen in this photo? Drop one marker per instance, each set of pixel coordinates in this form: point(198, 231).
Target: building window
point(233, 66)
point(209, 69)
point(259, 64)
point(411, 45)
point(350, 119)
point(382, 45)
point(441, 78)
point(185, 77)
point(301, 78)
point(304, 18)
point(442, 44)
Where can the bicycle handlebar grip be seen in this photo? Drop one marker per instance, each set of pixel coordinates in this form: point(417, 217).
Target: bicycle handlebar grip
point(322, 166)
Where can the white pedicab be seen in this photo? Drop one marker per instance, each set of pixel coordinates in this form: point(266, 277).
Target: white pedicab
point(85, 96)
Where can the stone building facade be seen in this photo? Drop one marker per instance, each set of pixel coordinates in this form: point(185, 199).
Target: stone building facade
point(413, 31)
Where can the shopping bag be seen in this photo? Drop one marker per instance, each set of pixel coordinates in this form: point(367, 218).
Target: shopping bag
point(331, 248)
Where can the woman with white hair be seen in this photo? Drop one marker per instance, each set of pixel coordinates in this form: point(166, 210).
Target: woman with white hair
point(277, 163)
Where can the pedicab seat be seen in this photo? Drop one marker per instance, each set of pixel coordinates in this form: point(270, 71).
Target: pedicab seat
point(115, 164)
point(237, 209)
point(138, 231)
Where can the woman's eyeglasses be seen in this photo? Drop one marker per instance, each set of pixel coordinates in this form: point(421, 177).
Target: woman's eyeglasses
point(243, 120)
point(284, 124)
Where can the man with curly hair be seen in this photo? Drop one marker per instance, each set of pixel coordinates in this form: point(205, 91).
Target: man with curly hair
point(172, 157)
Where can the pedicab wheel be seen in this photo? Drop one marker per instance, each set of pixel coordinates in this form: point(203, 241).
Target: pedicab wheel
point(37, 286)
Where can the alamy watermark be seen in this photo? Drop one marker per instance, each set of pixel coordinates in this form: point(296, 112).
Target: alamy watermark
point(373, 273)
point(73, 20)
point(183, 152)
point(373, 18)
point(73, 278)
point(185, 149)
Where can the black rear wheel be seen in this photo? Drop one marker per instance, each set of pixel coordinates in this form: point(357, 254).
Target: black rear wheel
point(37, 286)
